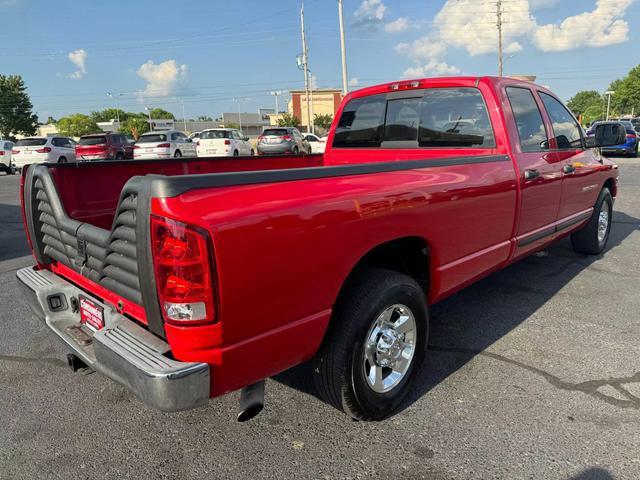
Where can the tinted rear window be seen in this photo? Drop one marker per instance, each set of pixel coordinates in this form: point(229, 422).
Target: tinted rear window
point(213, 134)
point(96, 140)
point(275, 132)
point(361, 123)
point(31, 142)
point(152, 138)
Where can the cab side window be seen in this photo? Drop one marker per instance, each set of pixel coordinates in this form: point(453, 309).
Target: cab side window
point(565, 128)
point(531, 129)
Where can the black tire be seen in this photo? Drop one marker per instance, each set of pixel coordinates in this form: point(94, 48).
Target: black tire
point(295, 151)
point(177, 154)
point(235, 153)
point(587, 239)
point(119, 156)
point(62, 160)
point(252, 153)
point(339, 368)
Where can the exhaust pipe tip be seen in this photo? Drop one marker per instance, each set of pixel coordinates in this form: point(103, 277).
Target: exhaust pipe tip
point(251, 401)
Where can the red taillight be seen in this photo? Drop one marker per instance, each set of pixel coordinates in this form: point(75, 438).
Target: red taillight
point(1, 152)
point(631, 135)
point(15, 152)
point(136, 147)
point(261, 138)
point(44, 150)
point(227, 142)
point(286, 138)
point(183, 265)
point(163, 145)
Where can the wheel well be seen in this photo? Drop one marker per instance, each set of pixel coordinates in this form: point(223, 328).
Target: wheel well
point(612, 186)
point(407, 255)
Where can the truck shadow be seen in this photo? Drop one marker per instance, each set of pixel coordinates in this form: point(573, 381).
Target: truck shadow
point(13, 241)
point(467, 323)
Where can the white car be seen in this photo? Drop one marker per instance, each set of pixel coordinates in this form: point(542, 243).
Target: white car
point(5, 157)
point(169, 144)
point(43, 149)
point(224, 142)
point(316, 143)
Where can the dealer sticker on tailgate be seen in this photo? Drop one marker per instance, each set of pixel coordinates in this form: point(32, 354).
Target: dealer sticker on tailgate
point(91, 314)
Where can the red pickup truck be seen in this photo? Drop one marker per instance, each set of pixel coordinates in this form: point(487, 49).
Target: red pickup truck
point(186, 279)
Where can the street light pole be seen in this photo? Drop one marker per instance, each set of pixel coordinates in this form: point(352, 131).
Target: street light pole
point(277, 93)
point(149, 112)
point(115, 96)
point(345, 84)
point(608, 94)
point(499, 24)
point(305, 68)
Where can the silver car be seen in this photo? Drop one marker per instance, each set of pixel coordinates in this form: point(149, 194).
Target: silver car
point(282, 140)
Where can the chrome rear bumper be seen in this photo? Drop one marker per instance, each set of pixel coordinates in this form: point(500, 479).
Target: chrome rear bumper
point(122, 350)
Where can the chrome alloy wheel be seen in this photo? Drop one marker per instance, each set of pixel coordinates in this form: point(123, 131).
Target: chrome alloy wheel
point(603, 222)
point(389, 348)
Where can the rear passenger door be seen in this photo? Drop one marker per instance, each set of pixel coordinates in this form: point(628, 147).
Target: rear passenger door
point(540, 171)
point(580, 188)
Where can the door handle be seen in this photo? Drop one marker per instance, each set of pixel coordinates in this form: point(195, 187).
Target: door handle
point(531, 174)
point(568, 169)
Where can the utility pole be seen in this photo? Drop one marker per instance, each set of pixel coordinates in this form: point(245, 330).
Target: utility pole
point(608, 94)
point(150, 123)
point(239, 114)
point(499, 24)
point(115, 96)
point(345, 84)
point(305, 67)
point(276, 94)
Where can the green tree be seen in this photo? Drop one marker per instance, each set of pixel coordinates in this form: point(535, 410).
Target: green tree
point(627, 93)
point(16, 116)
point(135, 126)
point(583, 101)
point(322, 120)
point(160, 114)
point(77, 125)
point(288, 120)
point(109, 114)
point(51, 121)
point(205, 118)
point(232, 125)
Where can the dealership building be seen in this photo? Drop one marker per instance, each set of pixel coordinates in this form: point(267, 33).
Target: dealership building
point(323, 102)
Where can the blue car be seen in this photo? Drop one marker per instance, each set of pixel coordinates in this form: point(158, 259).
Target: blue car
point(630, 147)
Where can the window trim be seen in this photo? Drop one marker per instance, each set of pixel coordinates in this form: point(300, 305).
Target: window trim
point(513, 115)
point(580, 130)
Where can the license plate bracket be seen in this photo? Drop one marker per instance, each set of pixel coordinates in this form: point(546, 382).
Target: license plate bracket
point(91, 314)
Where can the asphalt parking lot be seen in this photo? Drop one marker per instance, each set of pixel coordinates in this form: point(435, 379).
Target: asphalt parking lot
point(532, 373)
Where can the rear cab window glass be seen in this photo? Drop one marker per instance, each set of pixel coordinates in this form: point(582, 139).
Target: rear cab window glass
point(531, 129)
point(455, 118)
point(31, 142)
point(213, 134)
point(361, 123)
point(156, 137)
point(402, 121)
point(93, 140)
point(565, 128)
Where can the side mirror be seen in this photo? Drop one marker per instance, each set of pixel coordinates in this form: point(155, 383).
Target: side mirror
point(607, 135)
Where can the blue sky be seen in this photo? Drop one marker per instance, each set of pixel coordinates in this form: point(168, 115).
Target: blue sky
point(208, 53)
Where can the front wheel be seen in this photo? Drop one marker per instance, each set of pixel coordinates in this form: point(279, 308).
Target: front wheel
point(592, 238)
point(376, 342)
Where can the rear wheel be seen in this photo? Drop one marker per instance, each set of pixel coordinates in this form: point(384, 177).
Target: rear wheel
point(592, 238)
point(252, 153)
point(62, 160)
point(376, 342)
point(119, 156)
point(235, 153)
point(177, 154)
point(295, 151)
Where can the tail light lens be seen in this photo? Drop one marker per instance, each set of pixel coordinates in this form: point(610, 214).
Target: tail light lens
point(15, 152)
point(227, 142)
point(1, 152)
point(261, 138)
point(136, 147)
point(182, 258)
point(631, 135)
point(44, 150)
point(163, 145)
point(286, 138)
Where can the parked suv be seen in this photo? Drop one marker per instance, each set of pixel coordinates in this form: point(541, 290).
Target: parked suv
point(6, 148)
point(43, 149)
point(170, 144)
point(104, 146)
point(282, 140)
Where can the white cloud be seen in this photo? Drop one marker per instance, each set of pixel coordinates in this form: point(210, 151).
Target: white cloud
point(603, 26)
point(162, 78)
point(371, 10)
point(79, 59)
point(354, 82)
point(397, 26)
point(470, 25)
